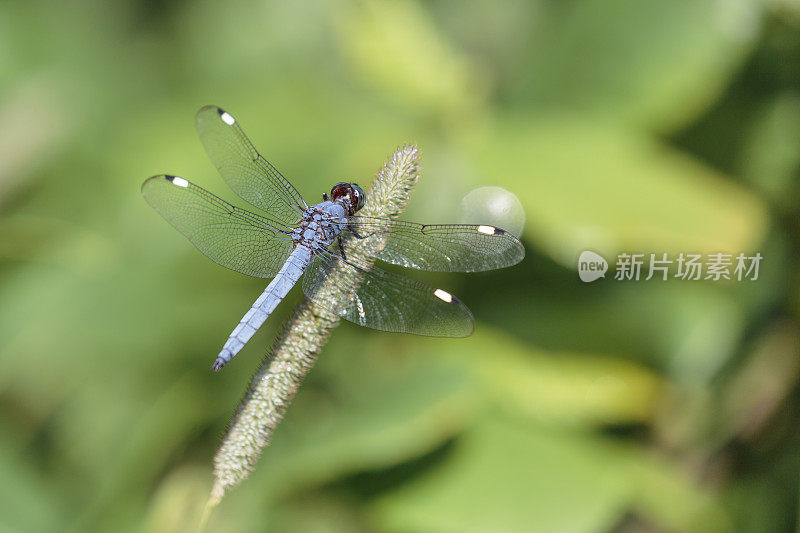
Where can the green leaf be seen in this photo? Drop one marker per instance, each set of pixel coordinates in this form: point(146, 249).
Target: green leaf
point(508, 476)
point(772, 154)
point(561, 388)
point(396, 48)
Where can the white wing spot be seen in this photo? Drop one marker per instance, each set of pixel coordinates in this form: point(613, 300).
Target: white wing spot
point(488, 230)
point(361, 314)
point(228, 119)
point(180, 182)
point(443, 295)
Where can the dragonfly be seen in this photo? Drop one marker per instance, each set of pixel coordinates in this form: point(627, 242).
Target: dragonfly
point(294, 240)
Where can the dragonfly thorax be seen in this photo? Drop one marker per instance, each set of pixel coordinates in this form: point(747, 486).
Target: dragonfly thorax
point(321, 224)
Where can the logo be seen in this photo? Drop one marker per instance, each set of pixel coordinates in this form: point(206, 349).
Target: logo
point(719, 266)
point(591, 266)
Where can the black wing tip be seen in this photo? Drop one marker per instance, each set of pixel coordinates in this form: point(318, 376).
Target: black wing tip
point(218, 114)
point(210, 107)
point(218, 110)
point(512, 241)
point(208, 111)
point(453, 301)
point(174, 180)
point(488, 229)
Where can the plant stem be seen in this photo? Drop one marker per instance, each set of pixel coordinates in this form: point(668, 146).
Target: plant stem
point(302, 338)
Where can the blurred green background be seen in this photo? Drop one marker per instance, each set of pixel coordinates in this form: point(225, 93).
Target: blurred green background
point(621, 125)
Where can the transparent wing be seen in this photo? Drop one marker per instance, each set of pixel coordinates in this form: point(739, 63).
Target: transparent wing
point(245, 171)
point(232, 237)
point(440, 247)
point(371, 297)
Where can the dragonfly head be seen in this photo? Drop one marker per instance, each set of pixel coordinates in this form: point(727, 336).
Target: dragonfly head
point(350, 191)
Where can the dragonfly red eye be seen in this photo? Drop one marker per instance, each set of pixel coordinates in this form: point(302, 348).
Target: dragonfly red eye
point(339, 190)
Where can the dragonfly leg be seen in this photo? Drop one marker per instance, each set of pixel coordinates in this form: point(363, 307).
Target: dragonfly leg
point(324, 197)
point(341, 248)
